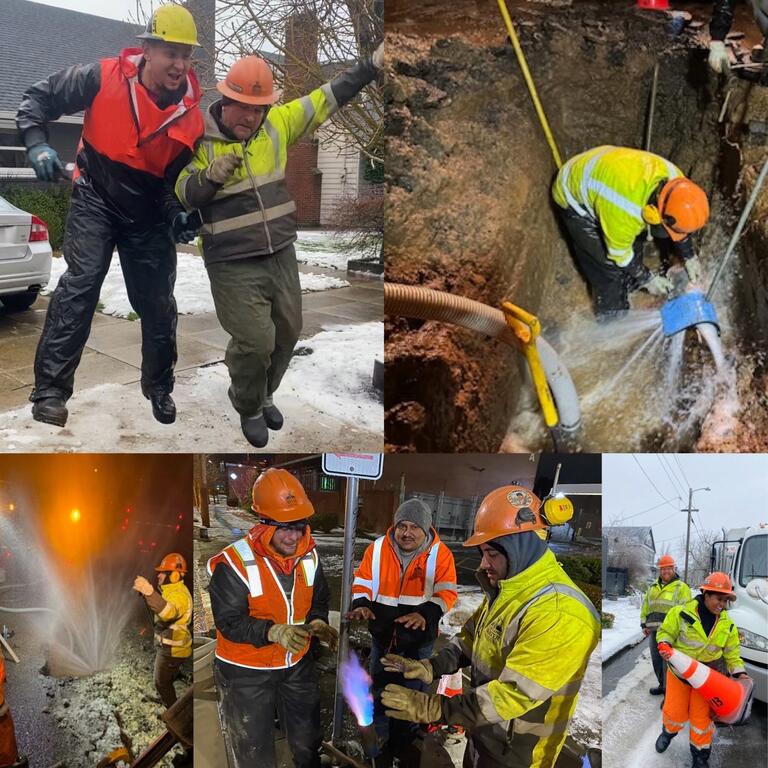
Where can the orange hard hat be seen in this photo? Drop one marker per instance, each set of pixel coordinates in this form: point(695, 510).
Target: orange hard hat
point(510, 509)
point(279, 496)
point(173, 561)
point(249, 81)
point(718, 582)
point(666, 561)
point(683, 206)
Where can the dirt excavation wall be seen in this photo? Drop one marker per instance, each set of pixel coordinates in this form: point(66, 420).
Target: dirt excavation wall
point(469, 173)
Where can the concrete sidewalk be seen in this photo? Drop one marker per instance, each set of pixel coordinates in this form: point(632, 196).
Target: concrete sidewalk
point(113, 352)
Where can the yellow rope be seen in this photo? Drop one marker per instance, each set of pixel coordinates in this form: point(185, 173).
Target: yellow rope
point(529, 81)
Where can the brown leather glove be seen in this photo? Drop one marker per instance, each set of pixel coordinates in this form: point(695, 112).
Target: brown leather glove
point(293, 637)
point(325, 633)
point(222, 168)
point(404, 704)
point(410, 669)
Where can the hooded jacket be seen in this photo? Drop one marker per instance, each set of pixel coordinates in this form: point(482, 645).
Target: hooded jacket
point(173, 607)
point(132, 149)
point(659, 598)
point(528, 645)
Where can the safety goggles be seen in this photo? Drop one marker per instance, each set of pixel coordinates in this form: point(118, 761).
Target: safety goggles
point(296, 525)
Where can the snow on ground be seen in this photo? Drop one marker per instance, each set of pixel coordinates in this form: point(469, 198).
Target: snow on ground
point(626, 628)
point(325, 397)
point(468, 602)
point(586, 725)
point(324, 249)
point(192, 292)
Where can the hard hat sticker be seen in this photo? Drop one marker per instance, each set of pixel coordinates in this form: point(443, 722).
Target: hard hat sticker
point(520, 498)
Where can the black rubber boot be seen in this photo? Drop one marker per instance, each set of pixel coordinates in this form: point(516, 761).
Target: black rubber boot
point(657, 691)
point(255, 430)
point(163, 408)
point(50, 410)
point(700, 757)
point(273, 417)
point(663, 741)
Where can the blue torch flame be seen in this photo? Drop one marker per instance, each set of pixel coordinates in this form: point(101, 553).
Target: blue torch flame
point(356, 687)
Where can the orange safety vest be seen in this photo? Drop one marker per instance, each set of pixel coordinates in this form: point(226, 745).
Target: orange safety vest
point(125, 125)
point(266, 600)
point(430, 576)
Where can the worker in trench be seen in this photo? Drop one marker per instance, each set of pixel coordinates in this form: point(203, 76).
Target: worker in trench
point(701, 629)
point(665, 593)
point(237, 181)
point(140, 127)
point(270, 599)
point(606, 199)
point(527, 645)
point(719, 27)
point(9, 752)
point(403, 586)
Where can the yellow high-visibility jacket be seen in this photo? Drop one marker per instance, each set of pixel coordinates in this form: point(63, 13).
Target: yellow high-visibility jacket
point(682, 629)
point(173, 606)
point(253, 214)
point(528, 651)
point(611, 185)
point(660, 598)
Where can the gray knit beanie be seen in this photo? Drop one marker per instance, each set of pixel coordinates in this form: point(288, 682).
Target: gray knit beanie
point(414, 511)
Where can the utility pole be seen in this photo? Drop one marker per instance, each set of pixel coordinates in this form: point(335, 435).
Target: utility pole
point(688, 534)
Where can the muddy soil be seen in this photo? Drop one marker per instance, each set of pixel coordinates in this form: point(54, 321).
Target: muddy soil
point(468, 172)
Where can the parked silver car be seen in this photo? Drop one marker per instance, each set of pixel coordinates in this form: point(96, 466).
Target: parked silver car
point(25, 257)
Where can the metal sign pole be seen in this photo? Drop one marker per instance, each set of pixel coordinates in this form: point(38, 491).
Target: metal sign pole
point(350, 528)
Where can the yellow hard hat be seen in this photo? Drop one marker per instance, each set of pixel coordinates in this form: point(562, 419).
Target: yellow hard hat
point(171, 24)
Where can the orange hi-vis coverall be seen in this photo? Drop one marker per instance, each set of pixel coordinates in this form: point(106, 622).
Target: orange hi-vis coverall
point(683, 630)
point(9, 753)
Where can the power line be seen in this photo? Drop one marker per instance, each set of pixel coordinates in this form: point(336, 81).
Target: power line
point(661, 495)
point(650, 509)
point(669, 477)
point(681, 470)
point(678, 482)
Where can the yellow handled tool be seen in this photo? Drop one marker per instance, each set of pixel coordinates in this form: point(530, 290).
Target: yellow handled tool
point(526, 328)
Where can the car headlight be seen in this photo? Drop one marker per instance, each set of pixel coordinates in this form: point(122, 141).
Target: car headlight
point(751, 640)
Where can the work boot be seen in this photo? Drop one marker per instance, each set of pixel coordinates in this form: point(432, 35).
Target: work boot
point(663, 741)
point(163, 408)
point(272, 415)
point(255, 430)
point(657, 691)
point(700, 757)
point(50, 410)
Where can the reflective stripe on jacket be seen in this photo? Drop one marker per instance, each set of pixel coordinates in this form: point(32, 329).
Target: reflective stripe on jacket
point(659, 598)
point(266, 600)
point(429, 577)
point(682, 629)
point(253, 213)
point(529, 650)
point(610, 185)
point(172, 622)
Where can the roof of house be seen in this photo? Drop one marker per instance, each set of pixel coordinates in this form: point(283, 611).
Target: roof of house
point(37, 40)
point(631, 534)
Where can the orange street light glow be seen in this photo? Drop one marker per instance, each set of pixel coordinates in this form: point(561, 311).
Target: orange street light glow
point(74, 515)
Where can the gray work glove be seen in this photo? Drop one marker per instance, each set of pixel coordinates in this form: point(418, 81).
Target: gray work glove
point(293, 637)
point(410, 669)
point(46, 162)
point(222, 168)
point(378, 56)
point(718, 57)
point(658, 285)
point(694, 269)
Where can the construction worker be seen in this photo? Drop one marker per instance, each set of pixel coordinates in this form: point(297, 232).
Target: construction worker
point(606, 199)
point(403, 586)
point(140, 126)
point(237, 180)
point(9, 752)
point(720, 26)
point(528, 644)
point(172, 605)
point(665, 593)
point(269, 598)
point(701, 629)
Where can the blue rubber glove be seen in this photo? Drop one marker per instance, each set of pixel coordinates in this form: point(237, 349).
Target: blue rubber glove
point(185, 228)
point(45, 160)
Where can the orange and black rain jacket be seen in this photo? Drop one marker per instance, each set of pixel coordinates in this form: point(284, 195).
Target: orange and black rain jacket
point(132, 148)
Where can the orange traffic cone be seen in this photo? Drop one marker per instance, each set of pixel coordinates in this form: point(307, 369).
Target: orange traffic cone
point(450, 685)
point(729, 699)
